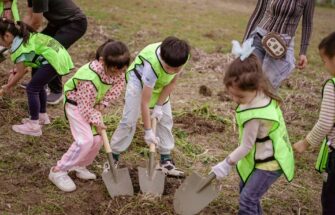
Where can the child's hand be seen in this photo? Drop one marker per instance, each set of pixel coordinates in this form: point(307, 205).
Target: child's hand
point(12, 73)
point(157, 112)
point(100, 127)
point(222, 169)
point(150, 137)
point(5, 89)
point(300, 146)
point(100, 107)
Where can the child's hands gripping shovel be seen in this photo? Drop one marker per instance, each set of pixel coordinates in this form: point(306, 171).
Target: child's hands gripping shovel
point(196, 192)
point(117, 181)
point(151, 180)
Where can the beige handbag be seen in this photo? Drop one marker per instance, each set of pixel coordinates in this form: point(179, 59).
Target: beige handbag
point(274, 45)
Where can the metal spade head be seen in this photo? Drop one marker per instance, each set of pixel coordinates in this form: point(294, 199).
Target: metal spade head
point(153, 184)
point(117, 181)
point(194, 194)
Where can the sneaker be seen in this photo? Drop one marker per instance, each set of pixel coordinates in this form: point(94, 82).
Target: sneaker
point(29, 127)
point(169, 168)
point(43, 119)
point(62, 180)
point(84, 173)
point(54, 98)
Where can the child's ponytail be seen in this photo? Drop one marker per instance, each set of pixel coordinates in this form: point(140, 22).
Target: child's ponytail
point(98, 53)
point(24, 30)
point(16, 29)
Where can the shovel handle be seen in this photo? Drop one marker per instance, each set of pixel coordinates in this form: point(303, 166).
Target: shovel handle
point(109, 155)
point(106, 142)
point(153, 127)
point(1, 93)
point(152, 150)
point(207, 181)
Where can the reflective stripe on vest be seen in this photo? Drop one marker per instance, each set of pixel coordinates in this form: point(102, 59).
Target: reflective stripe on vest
point(282, 148)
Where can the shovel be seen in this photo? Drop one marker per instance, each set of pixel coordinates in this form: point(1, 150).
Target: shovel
point(194, 194)
point(117, 181)
point(151, 180)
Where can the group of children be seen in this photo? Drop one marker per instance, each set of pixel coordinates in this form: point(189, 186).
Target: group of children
point(264, 152)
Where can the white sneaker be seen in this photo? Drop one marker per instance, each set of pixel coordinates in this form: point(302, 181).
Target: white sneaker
point(84, 173)
point(43, 119)
point(29, 127)
point(169, 168)
point(62, 180)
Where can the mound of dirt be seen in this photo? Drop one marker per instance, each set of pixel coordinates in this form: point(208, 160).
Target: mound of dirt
point(204, 90)
point(199, 125)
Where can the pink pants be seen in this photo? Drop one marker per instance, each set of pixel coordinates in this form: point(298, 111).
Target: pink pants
point(85, 147)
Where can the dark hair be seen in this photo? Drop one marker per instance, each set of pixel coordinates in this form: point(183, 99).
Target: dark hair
point(327, 44)
point(174, 52)
point(247, 75)
point(114, 54)
point(17, 29)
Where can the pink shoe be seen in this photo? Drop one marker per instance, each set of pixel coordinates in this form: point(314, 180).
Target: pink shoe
point(43, 119)
point(30, 127)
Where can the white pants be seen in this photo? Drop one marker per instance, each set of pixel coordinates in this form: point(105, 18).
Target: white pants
point(124, 133)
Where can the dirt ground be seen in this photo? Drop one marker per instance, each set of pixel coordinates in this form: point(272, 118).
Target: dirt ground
point(204, 124)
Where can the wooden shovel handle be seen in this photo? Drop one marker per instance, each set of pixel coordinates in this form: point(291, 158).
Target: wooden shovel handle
point(206, 182)
point(106, 141)
point(153, 127)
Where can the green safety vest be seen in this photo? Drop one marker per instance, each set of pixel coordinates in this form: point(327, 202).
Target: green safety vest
point(150, 55)
point(322, 160)
point(15, 10)
point(87, 73)
point(282, 148)
point(45, 50)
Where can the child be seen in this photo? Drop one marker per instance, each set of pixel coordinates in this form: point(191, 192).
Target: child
point(150, 80)
point(46, 56)
point(94, 87)
point(264, 152)
point(324, 130)
point(9, 10)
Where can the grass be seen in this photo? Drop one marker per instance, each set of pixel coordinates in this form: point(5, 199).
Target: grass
point(209, 26)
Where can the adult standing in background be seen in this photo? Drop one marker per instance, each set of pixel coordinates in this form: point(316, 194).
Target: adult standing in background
point(281, 17)
point(66, 23)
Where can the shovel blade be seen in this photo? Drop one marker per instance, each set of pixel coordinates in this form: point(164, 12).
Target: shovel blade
point(123, 185)
point(188, 201)
point(152, 185)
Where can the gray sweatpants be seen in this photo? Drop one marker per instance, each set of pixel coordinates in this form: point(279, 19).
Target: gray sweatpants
point(124, 133)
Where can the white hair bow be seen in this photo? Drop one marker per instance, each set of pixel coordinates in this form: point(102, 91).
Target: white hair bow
point(243, 51)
